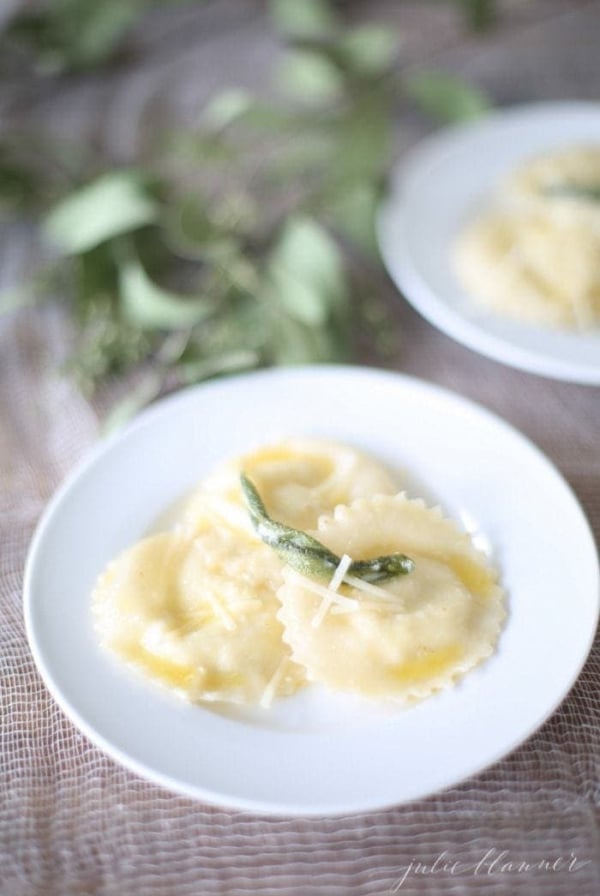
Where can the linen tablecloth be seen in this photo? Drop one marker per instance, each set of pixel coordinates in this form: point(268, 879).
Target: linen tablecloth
point(72, 822)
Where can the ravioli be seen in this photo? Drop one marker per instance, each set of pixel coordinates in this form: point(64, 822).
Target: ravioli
point(209, 611)
point(535, 182)
point(413, 635)
point(534, 254)
point(199, 615)
point(298, 479)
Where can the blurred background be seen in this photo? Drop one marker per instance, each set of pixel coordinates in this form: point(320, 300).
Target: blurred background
point(188, 188)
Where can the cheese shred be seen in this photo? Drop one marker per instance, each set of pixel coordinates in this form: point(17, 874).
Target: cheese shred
point(385, 596)
point(332, 589)
point(271, 688)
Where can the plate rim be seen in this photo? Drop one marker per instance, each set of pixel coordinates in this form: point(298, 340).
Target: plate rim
point(212, 796)
point(415, 289)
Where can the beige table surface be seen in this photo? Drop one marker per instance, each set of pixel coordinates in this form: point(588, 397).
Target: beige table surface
point(72, 823)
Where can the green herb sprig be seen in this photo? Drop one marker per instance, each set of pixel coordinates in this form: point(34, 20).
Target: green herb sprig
point(247, 242)
point(585, 192)
point(79, 35)
point(307, 555)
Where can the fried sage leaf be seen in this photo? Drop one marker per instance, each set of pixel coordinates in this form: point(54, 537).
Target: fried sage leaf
point(586, 192)
point(307, 555)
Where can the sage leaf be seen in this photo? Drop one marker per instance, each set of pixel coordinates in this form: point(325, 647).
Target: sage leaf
point(301, 551)
point(332, 342)
point(293, 342)
point(368, 50)
point(227, 107)
point(366, 137)
point(307, 18)
point(586, 192)
point(300, 299)
point(20, 186)
point(96, 29)
point(310, 77)
point(114, 204)
point(354, 212)
point(190, 233)
point(446, 98)
point(306, 554)
point(242, 204)
point(150, 307)
point(233, 362)
point(306, 271)
point(73, 34)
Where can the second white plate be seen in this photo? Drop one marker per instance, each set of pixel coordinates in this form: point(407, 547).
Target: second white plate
point(436, 190)
point(317, 753)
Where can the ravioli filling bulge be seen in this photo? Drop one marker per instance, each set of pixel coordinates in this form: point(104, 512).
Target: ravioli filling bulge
point(446, 620)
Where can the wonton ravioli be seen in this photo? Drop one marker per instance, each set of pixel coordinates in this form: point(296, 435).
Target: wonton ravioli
point(410, 635)
point(298, 480)
point(198, 615)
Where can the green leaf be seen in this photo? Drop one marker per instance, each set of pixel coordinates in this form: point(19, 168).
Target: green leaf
point(300, 299)
point(150, 307)
point(19, 184)
point(106, 343)
point(305, 271)
point(365, 135)
point(75, 34)
point(587, 192)
point(369, 50)
point(191, 233)
point(232, 107)
point(353, 213)
point(446, 98)
point(97, 28)
point(215, 232)
point(331, 342)
point(114, 204)
point(303, 18)
point(230, 362)
point(227, 107)
point(311, 77)
point(96, 279)
point(293, 342)
point(307, 555)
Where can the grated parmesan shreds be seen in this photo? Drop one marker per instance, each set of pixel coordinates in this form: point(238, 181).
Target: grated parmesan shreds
point(340, 572)
point(337, 603)
point(385, 600)
point(368, 588)
point(336, 580)
point(271, 689)
point(322, 591)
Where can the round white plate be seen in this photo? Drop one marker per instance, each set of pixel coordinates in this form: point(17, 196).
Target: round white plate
point(445, 180)
point(317, 753)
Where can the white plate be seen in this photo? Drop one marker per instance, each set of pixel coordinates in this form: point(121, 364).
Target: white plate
point(316, 753)
point(437, 189)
